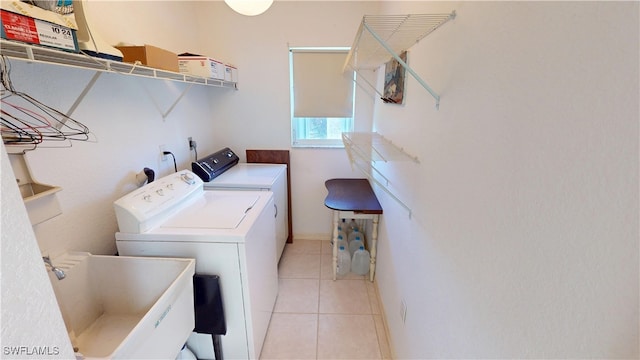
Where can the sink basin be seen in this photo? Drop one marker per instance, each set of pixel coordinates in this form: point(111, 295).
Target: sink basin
point(121, 307)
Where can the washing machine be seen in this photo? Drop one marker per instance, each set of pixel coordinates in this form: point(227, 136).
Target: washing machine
point(231, 234)
point(222, 170)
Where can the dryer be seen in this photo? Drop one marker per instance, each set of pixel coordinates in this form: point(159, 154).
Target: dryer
point(230, 234)
point(222, 170)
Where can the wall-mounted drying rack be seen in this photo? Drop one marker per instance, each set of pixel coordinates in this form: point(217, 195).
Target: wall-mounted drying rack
point(382, 35)
point(39, 54)
point(366, 148)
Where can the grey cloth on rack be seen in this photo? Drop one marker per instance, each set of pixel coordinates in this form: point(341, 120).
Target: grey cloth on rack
point(58, 6)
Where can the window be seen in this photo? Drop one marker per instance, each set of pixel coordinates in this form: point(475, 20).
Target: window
point(322, 96)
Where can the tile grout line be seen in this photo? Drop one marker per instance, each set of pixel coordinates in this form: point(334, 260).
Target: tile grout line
point(318, 277)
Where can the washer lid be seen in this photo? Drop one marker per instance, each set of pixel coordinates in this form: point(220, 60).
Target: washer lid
point(215, 210)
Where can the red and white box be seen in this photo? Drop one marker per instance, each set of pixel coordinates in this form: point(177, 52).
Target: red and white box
point(30, 24)
point(201, 66)
point(230, 73)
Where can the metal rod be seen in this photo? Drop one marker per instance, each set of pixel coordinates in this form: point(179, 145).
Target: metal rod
point(79, 99)
point(404, 64)
point(414, 158)
point(372, 178)
point(354, 47)
point(366, 81)
point(29, 53)
point(380, 173)
point(177, 101)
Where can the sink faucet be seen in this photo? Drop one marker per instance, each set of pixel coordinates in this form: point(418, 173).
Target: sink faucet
point(59, 273)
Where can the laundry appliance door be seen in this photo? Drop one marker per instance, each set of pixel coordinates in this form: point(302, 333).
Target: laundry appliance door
point(268, 177)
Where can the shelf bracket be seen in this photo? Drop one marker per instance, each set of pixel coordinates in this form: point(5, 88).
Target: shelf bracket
point(79, 99)
point(184, 92)
point(158, 106)
point(386, 46)
point(367, 82)
point(84, 93)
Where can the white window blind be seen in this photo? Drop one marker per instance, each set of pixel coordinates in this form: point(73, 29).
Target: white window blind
point(320, 88)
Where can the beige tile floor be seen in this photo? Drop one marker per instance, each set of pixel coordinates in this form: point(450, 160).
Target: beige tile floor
point(318, 318)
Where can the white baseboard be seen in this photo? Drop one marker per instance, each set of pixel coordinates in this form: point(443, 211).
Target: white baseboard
point(383, 314)
point(326, 236)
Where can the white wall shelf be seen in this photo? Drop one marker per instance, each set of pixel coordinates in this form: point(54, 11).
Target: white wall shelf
point(381, 36)
point(365, 149)
point(32, 53)
point(44, 55)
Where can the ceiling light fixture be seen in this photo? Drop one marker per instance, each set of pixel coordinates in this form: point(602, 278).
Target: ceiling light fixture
point(249, 7)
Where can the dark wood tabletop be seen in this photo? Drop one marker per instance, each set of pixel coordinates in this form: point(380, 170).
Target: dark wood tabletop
point(352, 195)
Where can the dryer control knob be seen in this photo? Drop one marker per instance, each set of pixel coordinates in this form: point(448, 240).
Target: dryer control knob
point(188, 178)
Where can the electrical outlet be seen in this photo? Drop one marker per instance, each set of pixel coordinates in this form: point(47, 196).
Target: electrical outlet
point(403, 310)
point(164, 157)
point(192, 143)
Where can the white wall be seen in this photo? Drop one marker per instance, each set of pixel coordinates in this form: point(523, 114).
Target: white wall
point(523, 242)
point(258, 115)
point(128, 130)
point(169, 26)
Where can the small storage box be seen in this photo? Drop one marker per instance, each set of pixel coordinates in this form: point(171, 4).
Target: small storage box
point(36, 31)
point(150, 56)
point(230, 73)
point(201, 66)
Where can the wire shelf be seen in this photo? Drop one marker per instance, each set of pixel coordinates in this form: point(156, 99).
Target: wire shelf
point(380, 37)
point(371, 146)
point(399, 32)
point(364, 149)
point(33, 53)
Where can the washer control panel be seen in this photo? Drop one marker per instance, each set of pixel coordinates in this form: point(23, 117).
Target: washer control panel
point(154, 202)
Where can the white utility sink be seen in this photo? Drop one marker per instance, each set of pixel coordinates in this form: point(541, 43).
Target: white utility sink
point(121, 307)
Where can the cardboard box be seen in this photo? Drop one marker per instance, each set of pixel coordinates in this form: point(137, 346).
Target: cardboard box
point(230, 73)
point(150, 56)
point(30, 24)
point(201, 66)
